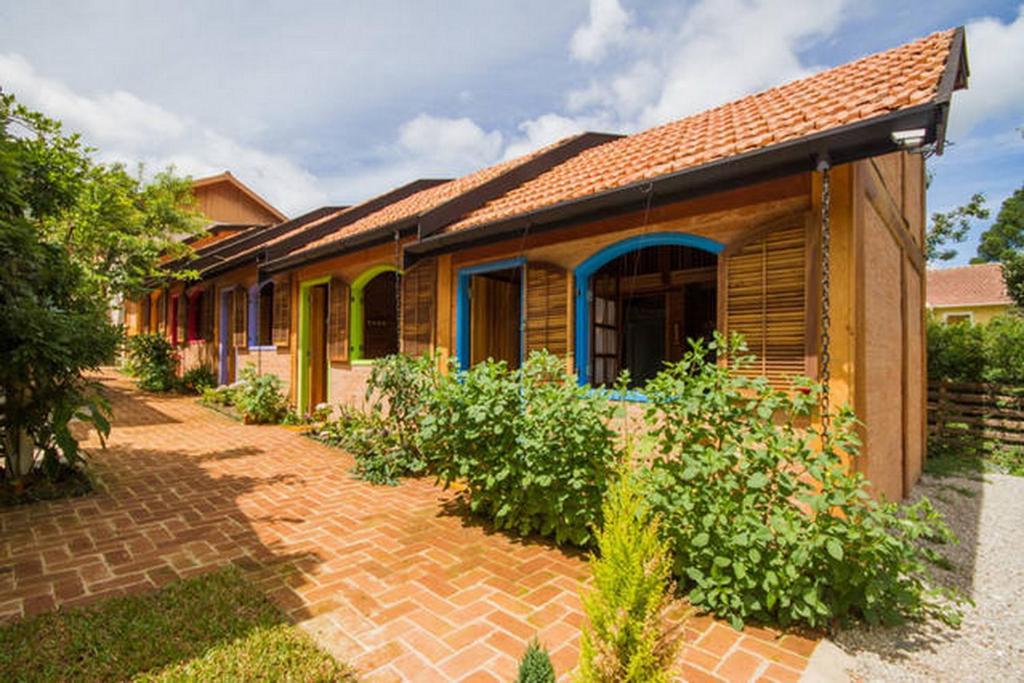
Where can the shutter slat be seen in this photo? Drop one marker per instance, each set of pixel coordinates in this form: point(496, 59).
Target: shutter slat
point(182, 322)
point(282, 312)
point(208, 313)
point(419, 302)
point(337, 320)
point(766, 302)
point(547, 308)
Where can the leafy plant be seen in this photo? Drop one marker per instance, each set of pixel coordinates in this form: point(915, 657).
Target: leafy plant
point(384, 438)
point(152, 361)
point(535, 666)
point(629, 635)
point(197, 379)
point(219, 396)
point(259, 397)
point(765, 524)
point(967, 352)
point(533, 448)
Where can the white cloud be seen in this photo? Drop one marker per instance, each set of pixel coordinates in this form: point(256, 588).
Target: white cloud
point(128, 129)
point(607, 27)
point(712, 52)
point(451, 142)
point(996, 57)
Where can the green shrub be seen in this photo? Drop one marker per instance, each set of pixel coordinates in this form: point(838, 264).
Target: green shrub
point(219, 396)
point(629, 635)
point(753, 536)
point(196, 380)
point(535, 666)
point(966, 352)
point(956, 353)
point(259, 397)
point(1004, 349)
point(533, 448)
point(383, 439)
point(152, 361)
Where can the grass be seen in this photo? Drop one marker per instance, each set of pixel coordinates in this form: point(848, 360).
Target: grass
point(971, 459)
point(215, 627)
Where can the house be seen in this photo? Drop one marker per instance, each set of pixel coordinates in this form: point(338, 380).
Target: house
point(233, 211)
point(975, 293)
point(756, 217)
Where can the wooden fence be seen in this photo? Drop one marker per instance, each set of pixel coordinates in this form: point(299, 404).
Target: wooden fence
point(960, 411)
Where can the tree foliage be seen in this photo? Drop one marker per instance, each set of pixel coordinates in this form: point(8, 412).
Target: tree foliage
point(1013, 275)
point(1004, 239)
point(951, 227)
point(115, 225)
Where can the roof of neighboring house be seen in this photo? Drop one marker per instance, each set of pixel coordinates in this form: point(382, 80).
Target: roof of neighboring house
point(975, 285)
point(841, 114)
point(229, 178)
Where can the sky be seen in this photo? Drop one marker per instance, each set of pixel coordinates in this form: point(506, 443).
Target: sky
point(314, 103)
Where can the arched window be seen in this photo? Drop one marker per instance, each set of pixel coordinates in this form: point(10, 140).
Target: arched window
point(640, 301)
point(374, 319)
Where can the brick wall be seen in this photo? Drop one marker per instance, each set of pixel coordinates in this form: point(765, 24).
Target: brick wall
point(348, 384)
point(268, 362)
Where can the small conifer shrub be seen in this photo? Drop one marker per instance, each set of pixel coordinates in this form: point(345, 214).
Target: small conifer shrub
point(629, 635)
point(535, 666)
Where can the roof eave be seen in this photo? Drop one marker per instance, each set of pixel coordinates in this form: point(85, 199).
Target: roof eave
point(839, 145)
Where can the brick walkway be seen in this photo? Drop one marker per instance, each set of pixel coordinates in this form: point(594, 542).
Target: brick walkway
point(391, 579)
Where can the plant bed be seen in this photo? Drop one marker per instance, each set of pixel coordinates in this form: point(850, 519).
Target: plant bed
point(212, 628)
point(69, 482)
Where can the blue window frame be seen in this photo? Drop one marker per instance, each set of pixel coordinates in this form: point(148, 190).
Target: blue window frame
point(583, 273)
point(462, 307)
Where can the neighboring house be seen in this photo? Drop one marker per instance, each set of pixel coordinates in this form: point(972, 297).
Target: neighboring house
point(975, 293)
point(613, 251)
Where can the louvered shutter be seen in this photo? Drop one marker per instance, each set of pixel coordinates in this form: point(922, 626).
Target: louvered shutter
point(181, 323)
point(282, 322)
point(337, 320)
point(208, 313)
point(144, 314)
point(419, 301)
point(161, 313)
point(547, 308)
point(767, 302)
point(239, 323)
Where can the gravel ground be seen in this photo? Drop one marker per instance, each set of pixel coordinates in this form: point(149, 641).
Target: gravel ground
point(988, 565)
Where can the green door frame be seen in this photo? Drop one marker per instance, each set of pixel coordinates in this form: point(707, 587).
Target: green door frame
point(356, 316)
point(304, 332)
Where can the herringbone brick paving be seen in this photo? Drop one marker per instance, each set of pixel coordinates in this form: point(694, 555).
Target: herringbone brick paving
point(394, 580)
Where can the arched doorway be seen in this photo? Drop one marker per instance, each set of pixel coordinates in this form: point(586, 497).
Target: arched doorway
point(640, 301)
point(374, 319)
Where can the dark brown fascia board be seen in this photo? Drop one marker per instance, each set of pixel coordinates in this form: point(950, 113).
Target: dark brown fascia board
point(213, 248)
point(452, 210)
point(838, 146)
point(237, 246)
point(954, 77)
point(355, 213)
point(363, 240)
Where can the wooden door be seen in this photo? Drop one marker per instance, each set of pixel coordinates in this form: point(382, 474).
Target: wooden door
point(317, 346)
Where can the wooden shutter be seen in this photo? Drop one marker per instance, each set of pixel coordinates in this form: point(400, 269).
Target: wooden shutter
point(239, 323)
point(337, 320)
point(419, 302)
point(282, 320)
point(182, 319)
point(144, 313)
point(208, 313)
point(767, 301)
point(547, 309)
point(161, 312)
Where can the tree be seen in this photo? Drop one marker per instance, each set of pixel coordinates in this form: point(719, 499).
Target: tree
point(1013, 275)
point(116, 226)
point(952, 227)
point(1005, 236)
point(54, 326)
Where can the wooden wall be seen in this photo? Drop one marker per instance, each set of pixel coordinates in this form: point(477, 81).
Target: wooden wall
point(891, 396)
point(223, 202)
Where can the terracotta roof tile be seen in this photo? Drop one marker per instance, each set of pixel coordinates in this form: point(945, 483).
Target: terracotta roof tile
point(967, 286)
point(873, 86)
point(421, 202)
